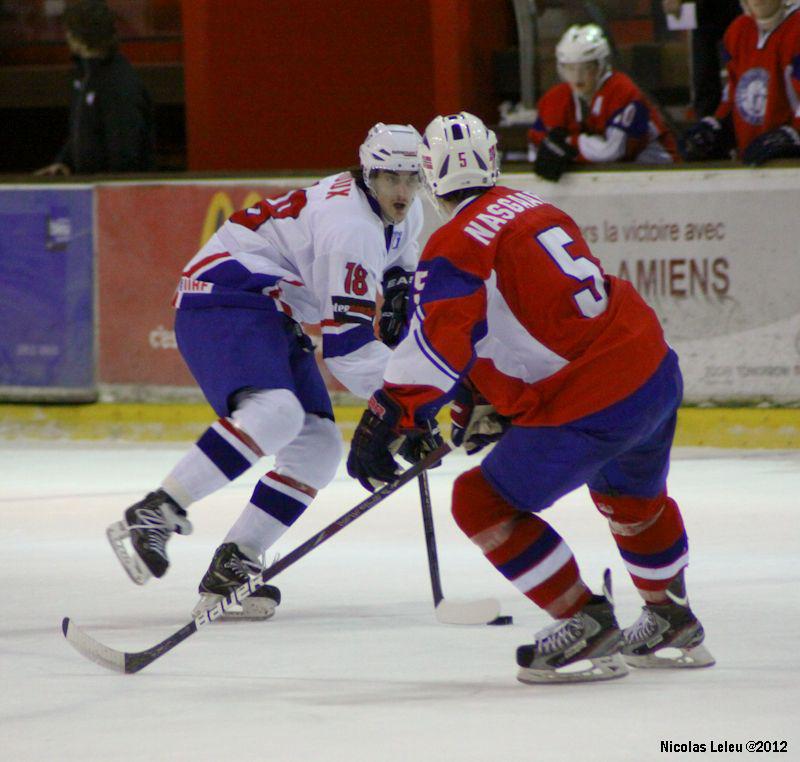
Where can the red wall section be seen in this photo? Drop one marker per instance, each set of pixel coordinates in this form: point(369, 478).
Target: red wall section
point(145, 234)
point(297, 84)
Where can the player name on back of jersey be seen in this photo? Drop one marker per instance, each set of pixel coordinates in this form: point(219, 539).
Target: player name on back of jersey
point(484, 226)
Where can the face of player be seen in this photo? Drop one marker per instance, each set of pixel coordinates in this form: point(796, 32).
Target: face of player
point(395, 191)
point(763, 9)
point(583, 78)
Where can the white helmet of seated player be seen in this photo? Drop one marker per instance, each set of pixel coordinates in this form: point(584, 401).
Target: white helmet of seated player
point(390, 167)
point(458, 152)
point(583, 58)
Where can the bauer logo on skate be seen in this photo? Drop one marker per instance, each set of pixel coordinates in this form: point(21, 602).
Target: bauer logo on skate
point(244, 591)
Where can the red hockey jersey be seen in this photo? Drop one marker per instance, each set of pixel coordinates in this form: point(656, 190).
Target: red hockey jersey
point(509, 292)
point(763, 90)
point(619, 124)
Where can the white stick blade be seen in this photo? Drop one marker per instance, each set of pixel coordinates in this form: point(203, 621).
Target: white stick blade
point(92, 649)
point(468, 612)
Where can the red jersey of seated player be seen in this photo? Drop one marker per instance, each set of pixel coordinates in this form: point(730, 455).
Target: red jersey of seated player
point(619, 124)
point(763, 90)
point(508, 292)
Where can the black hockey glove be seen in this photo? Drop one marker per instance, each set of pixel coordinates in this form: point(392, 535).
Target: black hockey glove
point(474, 421)
point(418, 444)
point(378, 438)
point(554, 155)
point(396, 284)
point(706, 140)
point(781, 143)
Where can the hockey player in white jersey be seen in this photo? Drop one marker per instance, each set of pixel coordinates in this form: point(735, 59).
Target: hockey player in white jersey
point(313, 255)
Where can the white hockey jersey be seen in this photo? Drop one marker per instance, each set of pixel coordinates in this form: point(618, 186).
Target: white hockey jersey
point(317, 254)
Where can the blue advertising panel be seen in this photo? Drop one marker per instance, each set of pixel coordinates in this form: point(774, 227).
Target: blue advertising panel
point(46, 291)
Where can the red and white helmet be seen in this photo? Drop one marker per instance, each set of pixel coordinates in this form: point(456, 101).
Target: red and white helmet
point(457, 152)
point(391, 147)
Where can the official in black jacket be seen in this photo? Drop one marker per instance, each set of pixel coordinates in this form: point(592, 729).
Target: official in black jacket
point(111, 115)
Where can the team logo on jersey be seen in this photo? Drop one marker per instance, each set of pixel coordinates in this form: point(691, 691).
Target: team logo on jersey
point(751, 95)
point(397, 236)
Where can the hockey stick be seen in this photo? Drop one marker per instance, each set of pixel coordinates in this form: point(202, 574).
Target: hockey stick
point(484, 611)
point(131, 662)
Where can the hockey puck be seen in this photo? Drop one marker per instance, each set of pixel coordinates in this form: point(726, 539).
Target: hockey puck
point(502, 620)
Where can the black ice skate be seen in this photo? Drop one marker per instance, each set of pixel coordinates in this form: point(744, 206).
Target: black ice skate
point(583, 648)
point(148, 525)
point(230, 569)
point(667, 635)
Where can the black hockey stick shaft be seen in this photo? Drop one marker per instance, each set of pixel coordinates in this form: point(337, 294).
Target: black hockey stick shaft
point(430, 537)
point(135, 661)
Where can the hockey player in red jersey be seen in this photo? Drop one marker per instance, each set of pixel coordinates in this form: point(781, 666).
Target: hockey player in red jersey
point(759, 115)
point(568, 368)
point(312, 255)
point(595, 114)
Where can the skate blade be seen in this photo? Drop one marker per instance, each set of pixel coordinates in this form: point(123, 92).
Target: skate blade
point(672, 658)
point(117, 533)
point(599, 668)
point(252, 608)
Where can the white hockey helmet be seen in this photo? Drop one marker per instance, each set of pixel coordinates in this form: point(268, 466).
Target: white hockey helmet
point(581, 44)
point(458, 152)
point(391, 147)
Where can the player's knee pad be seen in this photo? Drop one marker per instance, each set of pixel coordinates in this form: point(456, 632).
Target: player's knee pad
point(482, 514)
point(270, 417)
point(313, 456)
point(631, 515)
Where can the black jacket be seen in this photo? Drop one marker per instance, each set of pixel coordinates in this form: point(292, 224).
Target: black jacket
point(111, 119)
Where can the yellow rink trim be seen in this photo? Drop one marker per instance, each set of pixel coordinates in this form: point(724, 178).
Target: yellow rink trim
point(770, 428)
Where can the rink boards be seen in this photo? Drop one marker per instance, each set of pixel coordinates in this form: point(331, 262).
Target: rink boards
point(87, 274)
point(771, 428)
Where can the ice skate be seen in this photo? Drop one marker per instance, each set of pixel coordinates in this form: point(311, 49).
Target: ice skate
point(667, 635)
point(230, 569)
point(584, 648)
point(147, 525)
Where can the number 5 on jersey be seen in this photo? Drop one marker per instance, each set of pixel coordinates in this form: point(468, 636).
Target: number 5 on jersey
point(592, 300)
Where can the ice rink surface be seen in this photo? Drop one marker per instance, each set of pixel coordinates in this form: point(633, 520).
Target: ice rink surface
point(354, 666)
